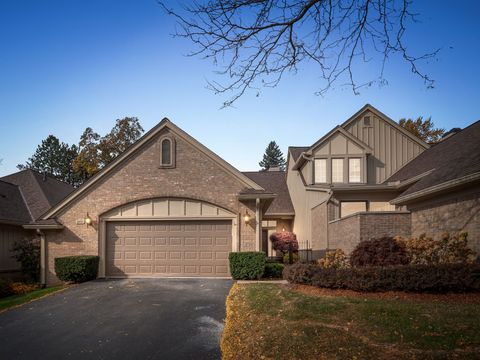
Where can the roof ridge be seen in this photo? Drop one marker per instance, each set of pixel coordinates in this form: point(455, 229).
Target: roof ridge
point(32, 174)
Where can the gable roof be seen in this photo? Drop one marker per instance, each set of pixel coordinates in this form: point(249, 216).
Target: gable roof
point(165, 123)
point(13, 209)
point(40, 191)
point(296, 151)
point(454, 158)
point(368, 107)
point(274, 182)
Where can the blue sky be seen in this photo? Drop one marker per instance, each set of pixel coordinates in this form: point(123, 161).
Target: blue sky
point(66, 65)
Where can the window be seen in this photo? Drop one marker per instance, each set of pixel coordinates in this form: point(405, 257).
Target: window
point(366, 121)
point(381, 206)
point(354, 173)
point(320, 171)
point(352, 207)
point(337, 170)
point(167, 156)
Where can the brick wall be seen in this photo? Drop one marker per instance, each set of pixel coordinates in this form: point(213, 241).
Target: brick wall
point(347, 232)
point(452, 212)
point(195, 176)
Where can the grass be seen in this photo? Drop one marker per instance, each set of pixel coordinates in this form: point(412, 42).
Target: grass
point(275, 322)
point(15, 300)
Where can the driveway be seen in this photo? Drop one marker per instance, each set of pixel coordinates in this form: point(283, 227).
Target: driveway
point(120, 319)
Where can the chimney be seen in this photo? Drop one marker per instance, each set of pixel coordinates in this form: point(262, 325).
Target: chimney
point(274, 168)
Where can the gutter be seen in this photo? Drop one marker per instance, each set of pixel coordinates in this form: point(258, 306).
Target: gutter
point(436, 188)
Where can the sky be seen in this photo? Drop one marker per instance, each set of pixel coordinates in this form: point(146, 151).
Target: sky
point(68, 65)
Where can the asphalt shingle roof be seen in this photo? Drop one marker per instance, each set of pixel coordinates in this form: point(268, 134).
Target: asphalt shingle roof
point(452, 158)
point(296, 151)
point(13, 209)
point(275, 182)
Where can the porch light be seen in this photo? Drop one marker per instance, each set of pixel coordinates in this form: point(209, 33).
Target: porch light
point(88, 220)
point(246, 218)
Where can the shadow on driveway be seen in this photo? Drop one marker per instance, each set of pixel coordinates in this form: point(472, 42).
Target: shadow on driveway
point(120, 319)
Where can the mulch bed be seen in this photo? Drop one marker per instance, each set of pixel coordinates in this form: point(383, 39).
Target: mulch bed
point(389, 295)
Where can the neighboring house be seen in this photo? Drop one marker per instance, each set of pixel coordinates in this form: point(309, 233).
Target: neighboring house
point(24, 196)
point(168, 206)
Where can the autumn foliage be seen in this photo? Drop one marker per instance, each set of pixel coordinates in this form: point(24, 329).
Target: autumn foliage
point(281, 241)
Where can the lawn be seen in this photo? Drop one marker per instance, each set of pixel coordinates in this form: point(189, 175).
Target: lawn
point(16, 300)
point(269, 321)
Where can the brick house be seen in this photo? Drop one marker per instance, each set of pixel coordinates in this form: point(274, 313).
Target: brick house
point(168, 206)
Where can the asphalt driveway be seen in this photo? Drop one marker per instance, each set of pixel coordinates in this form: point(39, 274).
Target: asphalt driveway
point(120, 319)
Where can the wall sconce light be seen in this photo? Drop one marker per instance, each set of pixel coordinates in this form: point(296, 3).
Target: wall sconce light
point(88, 220)
point(283, 229)
point(246, 218)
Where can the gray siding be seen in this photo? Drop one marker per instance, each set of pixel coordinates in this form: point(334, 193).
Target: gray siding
point(391, 148)
point(9, 234)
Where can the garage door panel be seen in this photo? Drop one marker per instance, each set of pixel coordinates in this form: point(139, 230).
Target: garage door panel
point(170, 248)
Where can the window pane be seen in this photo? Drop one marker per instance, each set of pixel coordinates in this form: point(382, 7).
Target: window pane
point(351, 207)
point(354, 170)
point(166, 152)
point(337, 170)
point(381, 206)
point(320, 170)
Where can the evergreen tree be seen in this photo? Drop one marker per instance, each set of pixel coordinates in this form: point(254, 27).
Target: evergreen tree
point(273, 157)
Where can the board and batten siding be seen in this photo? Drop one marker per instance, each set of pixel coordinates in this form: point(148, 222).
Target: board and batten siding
point(392, 149)
point(9, 234)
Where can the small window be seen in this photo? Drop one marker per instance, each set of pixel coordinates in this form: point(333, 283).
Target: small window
point(354, 170)
point(337, 170)
point(352, 207)
point(367, 121)
point(167, 156)
point(320, 171)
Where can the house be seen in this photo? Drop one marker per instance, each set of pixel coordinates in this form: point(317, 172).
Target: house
point(24, 196)
point(168, 206)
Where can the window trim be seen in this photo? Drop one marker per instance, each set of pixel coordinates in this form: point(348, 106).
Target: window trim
point(171, 164)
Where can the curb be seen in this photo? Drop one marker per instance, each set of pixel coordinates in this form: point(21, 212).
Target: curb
point(279, 282)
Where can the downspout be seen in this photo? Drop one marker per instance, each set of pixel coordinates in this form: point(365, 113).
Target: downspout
point(258, 224)
point(43, 258)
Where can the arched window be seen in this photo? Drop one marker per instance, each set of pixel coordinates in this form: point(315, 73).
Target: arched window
point(167, 156)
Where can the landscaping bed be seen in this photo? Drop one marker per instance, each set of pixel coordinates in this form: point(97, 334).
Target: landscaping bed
point(268, 321)
point(33, 294)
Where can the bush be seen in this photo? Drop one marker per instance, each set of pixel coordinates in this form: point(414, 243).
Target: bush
point(336, 259)
point(77, 268)
point(448, 250)
point(5, 288)
point(273, 270)
point(27, 253)
point(295, 257)
point(385, 251)
point(247, 265)
point(282, 240)
point(415, 278)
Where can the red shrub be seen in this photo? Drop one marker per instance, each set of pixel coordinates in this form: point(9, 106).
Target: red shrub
point(385, 251)
point(281, 241)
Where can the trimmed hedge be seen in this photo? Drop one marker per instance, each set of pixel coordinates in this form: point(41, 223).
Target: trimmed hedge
point(247, 265)
point(385, 251)
point(77, 268)
point(273, 270)
point(414, 278)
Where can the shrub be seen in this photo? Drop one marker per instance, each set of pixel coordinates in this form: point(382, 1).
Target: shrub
point(273, 270)
point(281, 241)
point(336, 259)
point(416, 278)
point(295, 257)
point(247, 265)
point(385, 251)
point(448, 250)
point(77, 268)
point(5, 288)
point(27, 253)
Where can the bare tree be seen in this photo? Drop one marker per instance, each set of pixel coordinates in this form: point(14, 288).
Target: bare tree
point(259, 40)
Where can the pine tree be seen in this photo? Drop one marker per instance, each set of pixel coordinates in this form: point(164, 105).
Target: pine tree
point(273, 157)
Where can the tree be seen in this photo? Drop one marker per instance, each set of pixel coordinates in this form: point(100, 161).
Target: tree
point(423, 129)
point(273, 157)
point(95, 152)
point(259, 41)
point(54, 158)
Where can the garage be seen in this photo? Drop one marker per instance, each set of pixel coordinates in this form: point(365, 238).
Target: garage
point(184, 248)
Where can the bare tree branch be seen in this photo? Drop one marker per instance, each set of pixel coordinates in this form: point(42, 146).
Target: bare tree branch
point(257, 41)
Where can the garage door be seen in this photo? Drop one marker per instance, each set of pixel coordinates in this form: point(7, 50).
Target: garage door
point(168, 248)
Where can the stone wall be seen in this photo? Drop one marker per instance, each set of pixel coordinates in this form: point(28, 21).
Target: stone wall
point(451, 212)
point(347, 232)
